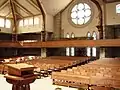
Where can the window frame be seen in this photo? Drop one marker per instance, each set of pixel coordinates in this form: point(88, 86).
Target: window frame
point(70, 9)
point(88, 49)
point(21, 21)
point(118, 8)
point(94, 48)
point(2, 24)
point(36, 23)
point(6, 25)
point(72, 49)
point(67, 49)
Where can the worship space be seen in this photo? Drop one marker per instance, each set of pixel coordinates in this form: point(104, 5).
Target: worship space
point(59, 44)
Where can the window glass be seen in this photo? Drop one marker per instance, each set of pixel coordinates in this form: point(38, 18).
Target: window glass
point(118, 8)
point(94, 48)
point(94, 36)
point(94, 51)
point(30, 21)
point(2, 22)
point(81, 13)
point(88, 48)
point(72, 35)
point(36, 20)
point(72, 48)
point(21, 23)
point(25, 22)
point(8, 23)
point(67, 49)
point(88, 51)
point(67, 36)
point(72, 51)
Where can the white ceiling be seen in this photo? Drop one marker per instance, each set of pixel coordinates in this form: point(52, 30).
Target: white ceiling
point(54, 6)
point(26, 8)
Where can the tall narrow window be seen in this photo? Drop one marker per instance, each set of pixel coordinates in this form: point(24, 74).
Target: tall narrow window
point(30, 21)
point(67, 49)
point(72, 48)
point(8, 23)
point(26, 22)
point(88, 48)
point(21, 23)
point(94, 35)
point(36, 20)
point(2, 22)
point(118, 8)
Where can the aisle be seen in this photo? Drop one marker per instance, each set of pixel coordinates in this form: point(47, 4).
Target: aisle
point(39, 84)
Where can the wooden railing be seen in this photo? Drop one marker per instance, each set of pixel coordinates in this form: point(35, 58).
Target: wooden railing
point(63, 43)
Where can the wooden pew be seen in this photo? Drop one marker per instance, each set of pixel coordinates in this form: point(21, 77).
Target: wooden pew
point(105, 72)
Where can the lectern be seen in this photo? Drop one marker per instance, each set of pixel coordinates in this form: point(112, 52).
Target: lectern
point(20, 75)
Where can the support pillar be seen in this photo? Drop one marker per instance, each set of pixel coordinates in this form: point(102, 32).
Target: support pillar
point(102, 52)
point(43, 53)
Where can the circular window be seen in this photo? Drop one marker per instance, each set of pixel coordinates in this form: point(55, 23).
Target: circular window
point(80, 14)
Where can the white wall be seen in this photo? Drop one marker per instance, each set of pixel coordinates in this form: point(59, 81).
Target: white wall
point(32, 28)
point(49, 23)
point(81, 31)
point(111, 17)
point(6, 30)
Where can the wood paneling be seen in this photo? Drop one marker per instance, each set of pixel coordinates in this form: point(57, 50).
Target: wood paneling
point(63, 43)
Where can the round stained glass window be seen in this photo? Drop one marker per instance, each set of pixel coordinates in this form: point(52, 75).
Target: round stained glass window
point(81, 13)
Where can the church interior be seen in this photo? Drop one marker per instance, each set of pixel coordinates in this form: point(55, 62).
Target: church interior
point(60, 44)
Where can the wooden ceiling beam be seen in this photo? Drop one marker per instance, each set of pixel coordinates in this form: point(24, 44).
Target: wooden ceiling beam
point(111, 1)
point(19, 14)
point(30, 16)
point(14, 19)
point(34, 5)
point(8, 14)
point(43, 13)
point(4, 4)
point(23, 8)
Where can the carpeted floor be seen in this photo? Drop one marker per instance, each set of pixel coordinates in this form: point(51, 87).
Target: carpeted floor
point(39, 84)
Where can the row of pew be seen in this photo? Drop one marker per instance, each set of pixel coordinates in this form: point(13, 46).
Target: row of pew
point(4, 61)
point(104, 72)
point(45, 66)
point(57, 63)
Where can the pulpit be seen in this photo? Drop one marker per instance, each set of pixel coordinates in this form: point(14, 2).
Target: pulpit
point(20, 75)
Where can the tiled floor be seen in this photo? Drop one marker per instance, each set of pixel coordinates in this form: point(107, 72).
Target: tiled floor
point(39, 84)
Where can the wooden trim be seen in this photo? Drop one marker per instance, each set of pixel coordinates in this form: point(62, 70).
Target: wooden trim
point(4, 4)
point(63, 43)
point(8, 14)
point(22, 7)
point(67, 6)
point(34, 5)
point(43, 13)
point(111, 1)
point(100, 26)
point(19, 14)
point(14, 16)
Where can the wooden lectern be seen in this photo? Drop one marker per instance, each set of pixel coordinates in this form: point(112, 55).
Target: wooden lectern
point(20, 75)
